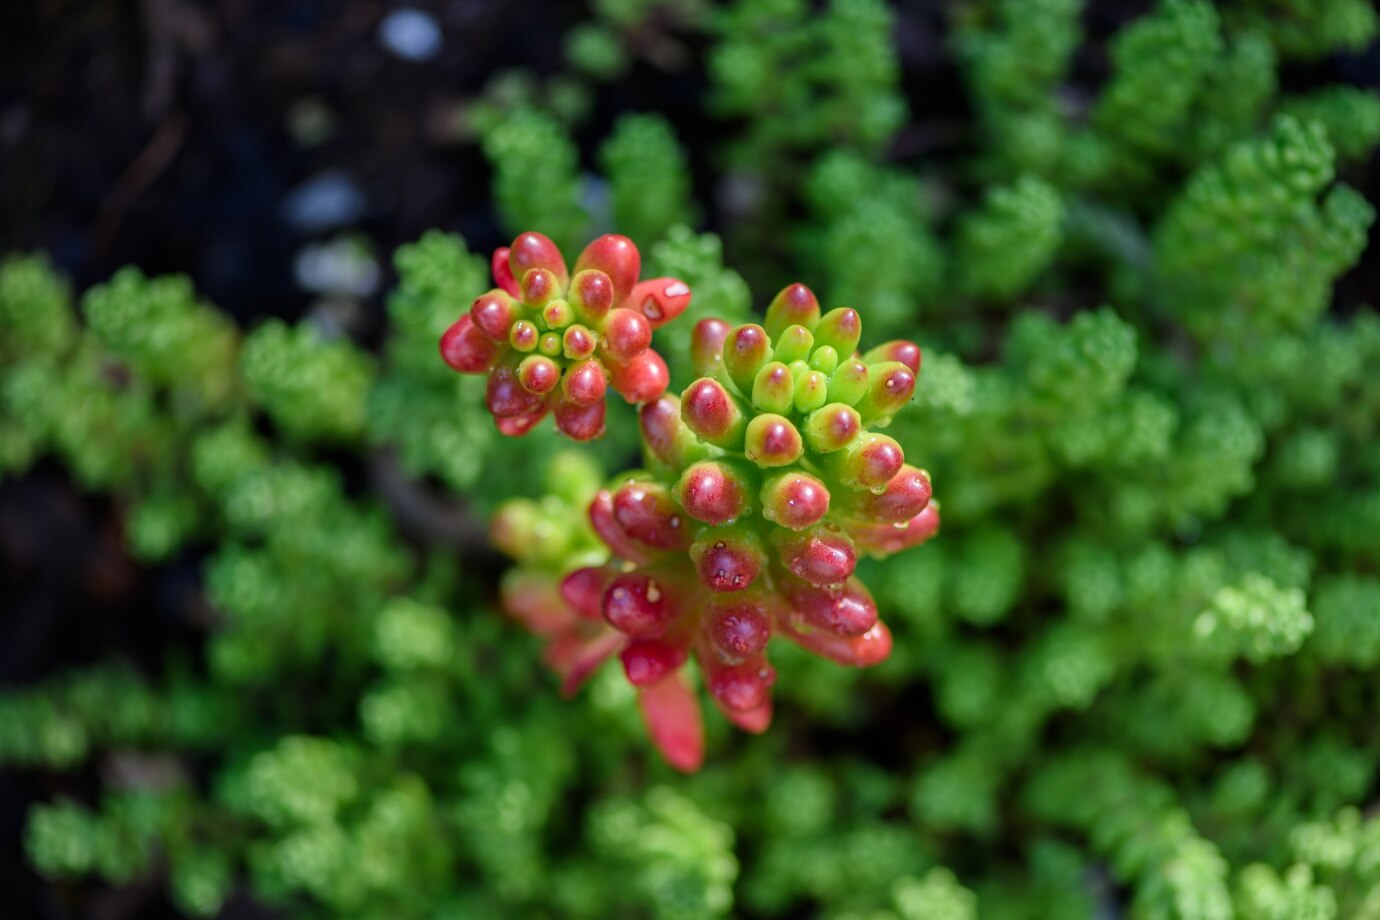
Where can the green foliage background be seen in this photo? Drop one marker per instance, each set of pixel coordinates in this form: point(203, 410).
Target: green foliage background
point(1137, 672)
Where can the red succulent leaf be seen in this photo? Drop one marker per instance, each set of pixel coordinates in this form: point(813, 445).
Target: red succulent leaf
point(794, 499)
point(583, 590)
point(465, 349)
point(890, 387)
point(502, 271)
point(538, 374)
point(584, 384)
point(660, 299)
point(638, 604)
point(580, 423)
point(625, 334)
point(647, 661)
point(739, 687)
point(577, 655)
point(738, 628)
point(839, 329)
point(663, 433)
point(753, 721)
point(710, 491)
point(709, 411)
point(908, 353)
point(601, 517)
point(646, 512)
point(795, 305)
point(707, 345)
point(640, 379)
point(862, 651)
point(906, 495)
point(674, 722)
point(617, 257)
point(492, 313)
point(532, 250)
point(591, 295)
point(515, 426)
point(888, 539)
point(745, 350)
point(868, 462)
point(846, 610)
point(821, 555)
point(536, 600)
point(727, 559)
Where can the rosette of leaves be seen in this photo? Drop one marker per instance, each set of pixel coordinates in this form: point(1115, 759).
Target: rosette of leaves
point(553, 341)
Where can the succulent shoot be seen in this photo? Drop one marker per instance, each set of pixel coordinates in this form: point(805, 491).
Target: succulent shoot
point(764, 482)
point(553, 339)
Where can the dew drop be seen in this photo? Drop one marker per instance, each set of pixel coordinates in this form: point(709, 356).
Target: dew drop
point(720, 545)
point(653, 592)
point(675, 521)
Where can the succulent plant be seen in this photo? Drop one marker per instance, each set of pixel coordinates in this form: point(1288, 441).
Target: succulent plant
point(555, 342)
point(764, 482)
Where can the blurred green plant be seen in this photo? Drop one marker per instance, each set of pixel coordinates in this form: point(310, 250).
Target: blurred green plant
point(1135, 677)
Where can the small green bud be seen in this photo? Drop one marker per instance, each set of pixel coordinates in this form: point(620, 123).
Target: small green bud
point(849, 382)
point(811, 391)
point(549, 344)
point(774, 388)
point(824, 359)
point(793, 344)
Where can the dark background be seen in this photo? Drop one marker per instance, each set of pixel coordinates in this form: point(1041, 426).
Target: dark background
point(165, 133)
